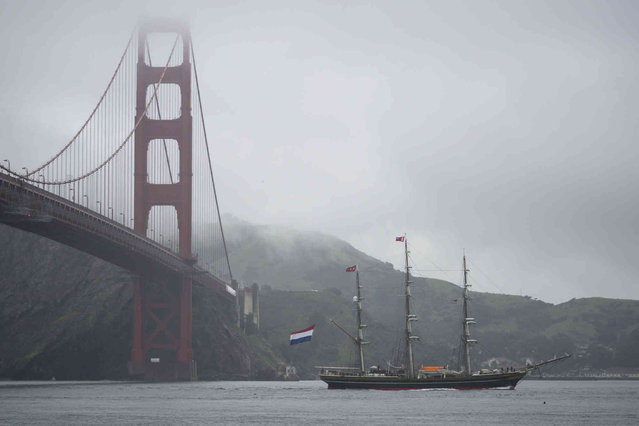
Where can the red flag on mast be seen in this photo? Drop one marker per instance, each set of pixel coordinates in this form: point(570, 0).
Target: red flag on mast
point(351, 268)
point(400, 239)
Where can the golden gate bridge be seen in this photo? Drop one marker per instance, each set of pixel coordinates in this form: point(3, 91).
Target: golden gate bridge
point(134, 186)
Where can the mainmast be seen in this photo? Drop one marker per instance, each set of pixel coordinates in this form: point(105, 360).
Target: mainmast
point(409, 317)
point(360, 326)
point(467, 321)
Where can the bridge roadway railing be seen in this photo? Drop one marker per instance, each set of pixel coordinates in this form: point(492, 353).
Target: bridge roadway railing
point(22, 203)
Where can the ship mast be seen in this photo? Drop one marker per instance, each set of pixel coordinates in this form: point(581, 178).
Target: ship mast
point(409, 317)
point(359, 340)
point(360, 326)
point(467, 321)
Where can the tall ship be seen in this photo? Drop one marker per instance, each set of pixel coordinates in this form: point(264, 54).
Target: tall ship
point(408, 376)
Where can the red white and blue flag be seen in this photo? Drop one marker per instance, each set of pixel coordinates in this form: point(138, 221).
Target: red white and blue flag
point(302, 335)
point(400, 239)
point(351, 268)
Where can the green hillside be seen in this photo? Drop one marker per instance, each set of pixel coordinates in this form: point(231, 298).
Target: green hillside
point(512, 330)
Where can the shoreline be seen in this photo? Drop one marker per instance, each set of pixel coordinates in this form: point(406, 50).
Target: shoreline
point(578, 378)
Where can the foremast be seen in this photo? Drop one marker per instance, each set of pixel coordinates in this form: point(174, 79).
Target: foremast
point(359, 340)
point(467, 320)
point(409, 317)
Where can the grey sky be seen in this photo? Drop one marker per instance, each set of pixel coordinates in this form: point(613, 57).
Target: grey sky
point(505, 128)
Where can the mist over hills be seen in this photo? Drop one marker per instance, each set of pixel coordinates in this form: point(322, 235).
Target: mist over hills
point(288, 259)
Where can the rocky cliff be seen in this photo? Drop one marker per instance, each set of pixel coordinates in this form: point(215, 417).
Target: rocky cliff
point(67, 315)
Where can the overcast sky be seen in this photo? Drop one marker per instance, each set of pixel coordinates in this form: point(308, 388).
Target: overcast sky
point(506, 128)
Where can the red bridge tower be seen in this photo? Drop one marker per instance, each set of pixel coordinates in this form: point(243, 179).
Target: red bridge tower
point(162, 314)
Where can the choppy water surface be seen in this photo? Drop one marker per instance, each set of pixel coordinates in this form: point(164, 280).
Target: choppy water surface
point(309, 402)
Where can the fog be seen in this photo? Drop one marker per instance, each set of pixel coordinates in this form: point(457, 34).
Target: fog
point(505, 129)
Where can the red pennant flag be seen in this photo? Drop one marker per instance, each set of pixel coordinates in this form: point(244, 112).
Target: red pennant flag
point(400, 239)
point(351, 268)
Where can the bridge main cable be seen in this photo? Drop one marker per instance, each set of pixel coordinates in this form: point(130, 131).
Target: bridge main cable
point(115, 73)
point(27, 175)
point(208, 155)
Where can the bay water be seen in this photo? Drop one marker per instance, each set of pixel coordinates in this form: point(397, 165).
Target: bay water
point(533, 402)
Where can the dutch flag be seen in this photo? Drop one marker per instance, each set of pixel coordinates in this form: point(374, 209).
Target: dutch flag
point(302, 335)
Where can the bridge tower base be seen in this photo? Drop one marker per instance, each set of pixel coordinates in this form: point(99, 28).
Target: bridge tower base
point(162, 330)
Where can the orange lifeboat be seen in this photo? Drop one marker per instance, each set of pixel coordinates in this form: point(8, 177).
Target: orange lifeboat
point(432, 369)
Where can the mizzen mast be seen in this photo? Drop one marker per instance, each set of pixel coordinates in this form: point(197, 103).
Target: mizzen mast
point(467, 321)
point(409, 317)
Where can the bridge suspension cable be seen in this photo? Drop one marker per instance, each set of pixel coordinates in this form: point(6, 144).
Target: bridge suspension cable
point(210, 167)
point(73, 139)
point(84, 155)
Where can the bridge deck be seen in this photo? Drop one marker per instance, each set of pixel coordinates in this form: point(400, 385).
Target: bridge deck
point(27, 207)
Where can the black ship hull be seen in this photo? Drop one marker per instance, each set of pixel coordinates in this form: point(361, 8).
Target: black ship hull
point(481, 381)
